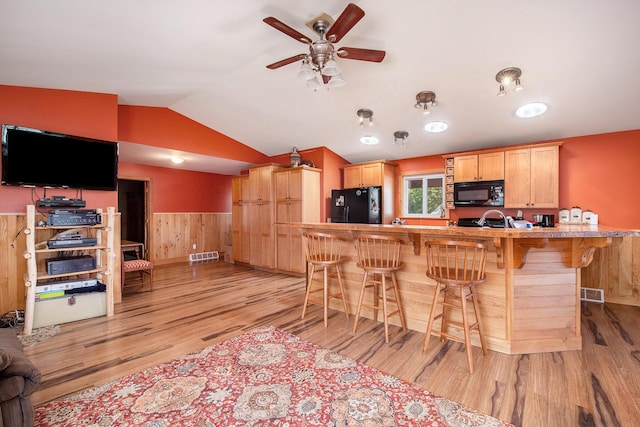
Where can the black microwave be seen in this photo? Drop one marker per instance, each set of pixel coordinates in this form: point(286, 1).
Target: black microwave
point(478, 193)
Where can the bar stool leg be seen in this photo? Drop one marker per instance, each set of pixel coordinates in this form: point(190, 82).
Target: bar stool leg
point(446, 304)
point(306, 297)
point(432, 317)
point(385, 311)
point(325, 294)
point(342, 293)
point(360, 298)
point(465, 326)
point(476, 309)
point(396, 291)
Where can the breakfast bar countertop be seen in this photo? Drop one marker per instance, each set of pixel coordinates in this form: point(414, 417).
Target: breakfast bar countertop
point(530, 301)
point(559, 231)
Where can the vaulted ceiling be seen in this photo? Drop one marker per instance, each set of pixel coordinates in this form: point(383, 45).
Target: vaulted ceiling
point(206, 59)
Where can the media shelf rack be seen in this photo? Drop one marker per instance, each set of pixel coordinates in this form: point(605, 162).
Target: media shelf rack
point(77, 306)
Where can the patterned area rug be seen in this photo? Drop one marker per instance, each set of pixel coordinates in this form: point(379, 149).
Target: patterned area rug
point(265, 377)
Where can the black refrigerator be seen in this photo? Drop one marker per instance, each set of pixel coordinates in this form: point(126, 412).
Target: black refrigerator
point(357, 205)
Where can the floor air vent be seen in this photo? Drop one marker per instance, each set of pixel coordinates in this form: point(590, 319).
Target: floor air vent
point(592, 295)
point(203, 256)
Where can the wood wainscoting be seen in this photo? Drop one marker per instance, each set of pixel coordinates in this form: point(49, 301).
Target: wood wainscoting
point(171, 240)
point(616, 270)
point(172, 235)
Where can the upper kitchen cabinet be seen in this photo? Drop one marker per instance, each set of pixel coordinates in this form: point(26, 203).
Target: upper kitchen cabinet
point(375, 174)
point(532, 177)
point(371, 174)
point(478, 167)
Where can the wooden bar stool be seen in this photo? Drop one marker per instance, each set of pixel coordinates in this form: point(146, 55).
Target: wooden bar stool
point(323, 251)
point(379, 257)
point(456, 266)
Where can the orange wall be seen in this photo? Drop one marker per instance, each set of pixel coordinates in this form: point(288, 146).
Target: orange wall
point(93, 115)
point(98, 116)
point(162, 127)
point(597, 172)
point(182, 191)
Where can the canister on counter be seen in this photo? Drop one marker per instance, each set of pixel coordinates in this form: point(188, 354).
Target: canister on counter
point(563, 216)
point(576, 215)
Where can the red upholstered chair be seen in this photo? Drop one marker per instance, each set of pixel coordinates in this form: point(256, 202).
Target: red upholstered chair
point(144, 267)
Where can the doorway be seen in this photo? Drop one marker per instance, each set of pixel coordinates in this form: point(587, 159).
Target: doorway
point(133, 204)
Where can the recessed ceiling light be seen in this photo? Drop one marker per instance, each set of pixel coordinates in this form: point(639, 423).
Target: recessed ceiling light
point(532, 109)
point(177, 160)
point(369, 140)
point(436, 127)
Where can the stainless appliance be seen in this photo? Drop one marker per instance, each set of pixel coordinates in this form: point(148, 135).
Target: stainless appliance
point(480, 193)
point(357, 205)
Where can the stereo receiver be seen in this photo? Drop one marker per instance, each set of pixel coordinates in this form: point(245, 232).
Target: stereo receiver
point(62, 217)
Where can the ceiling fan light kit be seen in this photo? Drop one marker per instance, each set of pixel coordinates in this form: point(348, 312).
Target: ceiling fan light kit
point(507, 76)
point(321, 57)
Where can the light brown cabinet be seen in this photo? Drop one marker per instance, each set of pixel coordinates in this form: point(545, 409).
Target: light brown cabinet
point(479, 167)
point(532, 177)
point(297, 200)
point(262, 250)
point(369, 174)
point(373, 174)
point(240, 218)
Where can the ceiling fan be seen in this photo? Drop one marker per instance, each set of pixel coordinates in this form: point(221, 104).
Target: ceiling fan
point(320, 59)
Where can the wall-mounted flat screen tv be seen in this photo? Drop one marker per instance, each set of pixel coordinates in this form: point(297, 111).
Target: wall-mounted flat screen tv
point(32, 157)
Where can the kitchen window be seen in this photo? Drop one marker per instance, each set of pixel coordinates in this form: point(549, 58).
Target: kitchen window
point(423, 196)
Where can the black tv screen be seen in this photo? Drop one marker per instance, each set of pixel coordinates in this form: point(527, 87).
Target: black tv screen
point(32, 157)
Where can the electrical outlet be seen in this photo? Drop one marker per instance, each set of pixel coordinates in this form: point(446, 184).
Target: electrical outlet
point(194, 246)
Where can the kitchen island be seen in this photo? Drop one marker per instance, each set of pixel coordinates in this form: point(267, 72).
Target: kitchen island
point(530, 301)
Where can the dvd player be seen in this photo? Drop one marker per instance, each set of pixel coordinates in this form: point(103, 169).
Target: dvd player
point(61, 202)
point(71, 243)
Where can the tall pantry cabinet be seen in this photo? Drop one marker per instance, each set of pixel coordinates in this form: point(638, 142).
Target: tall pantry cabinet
point(240, 210)
point(297, 200)
point(262, 251)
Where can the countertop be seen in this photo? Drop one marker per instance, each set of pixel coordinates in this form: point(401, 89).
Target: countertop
point(559, 231)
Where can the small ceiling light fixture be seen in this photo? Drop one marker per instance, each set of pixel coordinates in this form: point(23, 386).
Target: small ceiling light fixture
point(400, 136)
point(506, 77)
point(533, 109)
point(365, 114)
point(369, 140)
point(177, 160)
point(424, 100)
point(436, 127)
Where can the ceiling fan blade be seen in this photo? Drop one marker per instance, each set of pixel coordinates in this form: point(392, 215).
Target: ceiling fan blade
point(287, 61)
point(361, 54)
point(281, 26)
point(347, 19)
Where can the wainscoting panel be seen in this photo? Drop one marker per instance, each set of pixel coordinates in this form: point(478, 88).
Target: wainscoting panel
point(174, 234)
point(616, 270)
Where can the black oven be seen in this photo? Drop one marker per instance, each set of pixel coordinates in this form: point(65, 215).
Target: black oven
point(480, 193)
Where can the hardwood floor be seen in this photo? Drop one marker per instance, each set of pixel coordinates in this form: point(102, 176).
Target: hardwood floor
point(192, 307)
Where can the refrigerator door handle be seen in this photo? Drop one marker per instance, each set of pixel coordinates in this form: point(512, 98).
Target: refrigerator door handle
point(346, 214)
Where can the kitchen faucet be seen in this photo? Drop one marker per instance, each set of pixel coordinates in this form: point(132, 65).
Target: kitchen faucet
point(482, 219)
